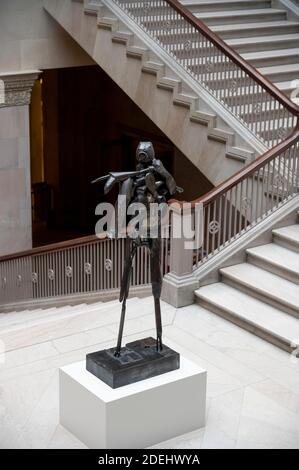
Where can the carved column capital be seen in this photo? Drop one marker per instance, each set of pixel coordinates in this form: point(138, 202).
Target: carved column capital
point(16, 87)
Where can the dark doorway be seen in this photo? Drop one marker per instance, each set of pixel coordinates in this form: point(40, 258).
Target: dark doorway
point(89, 127)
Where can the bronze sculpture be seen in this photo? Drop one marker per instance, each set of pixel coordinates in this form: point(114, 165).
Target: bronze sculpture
point(150, 183)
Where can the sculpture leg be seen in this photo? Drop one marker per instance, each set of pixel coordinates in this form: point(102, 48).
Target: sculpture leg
point(156, 280)
point(124, 292)
point(121, 328)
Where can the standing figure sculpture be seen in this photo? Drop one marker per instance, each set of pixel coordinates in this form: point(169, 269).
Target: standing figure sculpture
point(150, 183)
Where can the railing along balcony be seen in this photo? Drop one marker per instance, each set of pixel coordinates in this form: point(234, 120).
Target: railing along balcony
point(80, 266)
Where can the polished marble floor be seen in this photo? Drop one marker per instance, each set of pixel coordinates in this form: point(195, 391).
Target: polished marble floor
point(253, 387)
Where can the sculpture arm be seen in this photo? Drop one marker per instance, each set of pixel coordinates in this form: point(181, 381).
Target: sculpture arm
point(169, 179)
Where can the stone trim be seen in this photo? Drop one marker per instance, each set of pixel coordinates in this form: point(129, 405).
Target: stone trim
point(16, 87)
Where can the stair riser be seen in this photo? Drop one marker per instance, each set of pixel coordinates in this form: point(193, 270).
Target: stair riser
point(199, 65)
point(203, 7)
point(227, 6)
point(268, 266)
point(242, 49)
point(245, 325)
point(246, 98)
point(260, 296)
point(282, 76)
point(271, 31)
point(250, 18)
point(172, 36)
point(71, 313)
point(267, 136)
point(286, 243)
point(279, 60)
point(267, 46)
point(155, 24)
point(255, 115)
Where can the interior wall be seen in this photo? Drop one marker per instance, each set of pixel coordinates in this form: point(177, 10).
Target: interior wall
point(31, 39)
point(15, 187)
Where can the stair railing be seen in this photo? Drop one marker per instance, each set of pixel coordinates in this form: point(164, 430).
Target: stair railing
point(249, 196)
point(262, 108)
point(262, 186)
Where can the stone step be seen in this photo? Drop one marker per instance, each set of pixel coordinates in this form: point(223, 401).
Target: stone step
point(38, 318)
point(276, 259)
point(258, 58)
point(236, 16)
point(254, 45)
point(287, 237)
point(230, 31)
point(156, 22)
point(262, 43)
point(32, 316)
point(199, 6)
point(272, 57)
point(11, 318)
point(263, 285)
point(251, 314)
point(23, 335)
point(279, 73)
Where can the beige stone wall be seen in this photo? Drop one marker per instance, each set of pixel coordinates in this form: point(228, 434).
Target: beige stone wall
point(31, 39)
point(15, 198)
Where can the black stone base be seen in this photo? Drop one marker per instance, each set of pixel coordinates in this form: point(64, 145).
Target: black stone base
point(139, 360)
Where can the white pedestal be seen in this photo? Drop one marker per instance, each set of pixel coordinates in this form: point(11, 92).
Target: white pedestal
point(134, 416)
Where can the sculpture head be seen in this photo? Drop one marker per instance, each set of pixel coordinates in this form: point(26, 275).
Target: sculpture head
point(145, 152)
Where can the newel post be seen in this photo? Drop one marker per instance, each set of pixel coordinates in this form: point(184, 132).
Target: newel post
point(179, 284)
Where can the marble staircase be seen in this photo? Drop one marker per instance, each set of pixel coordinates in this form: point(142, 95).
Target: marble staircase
point(264, 35)
point(262, 294)
point(175, 107)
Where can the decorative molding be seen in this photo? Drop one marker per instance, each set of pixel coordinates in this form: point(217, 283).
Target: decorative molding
point(108, 264)
point(91, 6)
point(17, 87)
point(88, 269)
point(179, 290)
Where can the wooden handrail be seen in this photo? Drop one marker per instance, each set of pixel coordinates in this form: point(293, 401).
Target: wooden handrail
point(53, 247)
point(235, 57)
point(259, 162)
point(249, 169)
